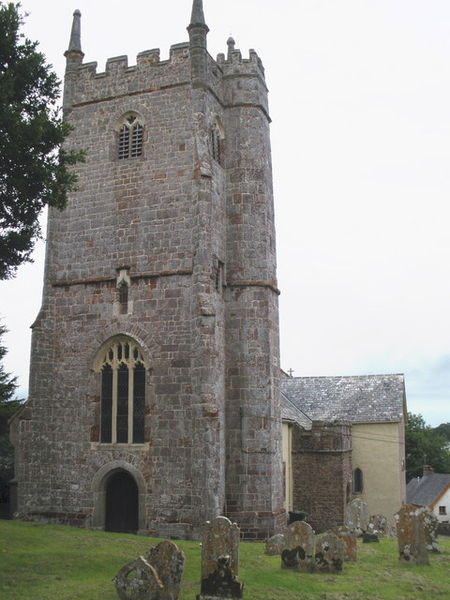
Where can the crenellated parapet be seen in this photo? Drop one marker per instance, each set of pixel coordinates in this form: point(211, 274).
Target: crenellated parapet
point(87, 84)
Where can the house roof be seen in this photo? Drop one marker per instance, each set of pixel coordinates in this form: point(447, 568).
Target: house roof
point(358, 399)
point(427, 489)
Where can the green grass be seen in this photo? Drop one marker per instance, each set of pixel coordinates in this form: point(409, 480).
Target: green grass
point(53, 562)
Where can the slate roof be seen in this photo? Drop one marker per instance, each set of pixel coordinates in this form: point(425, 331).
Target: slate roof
point(358, 399)
point(425, 490)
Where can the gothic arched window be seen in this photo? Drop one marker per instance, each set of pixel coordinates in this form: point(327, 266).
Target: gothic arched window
point(122, 367)
point(357, 481)
point(131, 137)
point(217, 137)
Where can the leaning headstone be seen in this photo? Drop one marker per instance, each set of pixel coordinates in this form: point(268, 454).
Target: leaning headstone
point(329, 555)
point(220, 561)
point(168, 560)
point(348, 538)
point(431, 523)
point(411, 535)
point(138, 580)
point(357, 516)
point(298, 550)
point(378, 524)
point(275, 545)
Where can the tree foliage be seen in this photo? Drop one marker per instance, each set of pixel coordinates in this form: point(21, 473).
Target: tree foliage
point(444, 430)
point(8, 407)
point(424, 447)
point(34, 168)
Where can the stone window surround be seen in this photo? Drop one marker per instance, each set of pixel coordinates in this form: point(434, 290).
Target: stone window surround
point(104, 357)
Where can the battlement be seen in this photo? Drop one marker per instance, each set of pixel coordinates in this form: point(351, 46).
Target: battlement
point(235, 64)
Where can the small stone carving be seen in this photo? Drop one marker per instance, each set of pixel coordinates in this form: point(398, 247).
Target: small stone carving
point(298, 550)
point(431, 523)
point(138, 580)
point(275, 544)
point(411, 535)
point(357, 516)
point(220, 561)
point(348, 538)
point(329, 555)
point(168, 560)
point(378, 524)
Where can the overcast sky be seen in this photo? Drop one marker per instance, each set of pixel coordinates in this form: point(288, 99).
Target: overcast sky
point(359, 97)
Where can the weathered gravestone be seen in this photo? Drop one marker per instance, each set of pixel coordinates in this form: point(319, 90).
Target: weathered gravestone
point(275, 545)
point(220, 561)
point(411, 535)
point(168, 560)
point(357, 516)
point(138, 580)
point(329, 555)
point(431, 524)
point(378, 524)
point(298, 550)
point(348, 537)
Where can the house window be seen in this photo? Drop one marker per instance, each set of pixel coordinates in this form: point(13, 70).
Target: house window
point(131, 137)
point(357, 481)
point(442, 510)
point(123, 371)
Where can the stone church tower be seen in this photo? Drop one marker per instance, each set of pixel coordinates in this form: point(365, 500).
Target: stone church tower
point(154, 388)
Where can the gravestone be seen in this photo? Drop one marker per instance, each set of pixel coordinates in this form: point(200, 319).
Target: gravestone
point(357, 516)
point(378, 524)
point(329, 555)
point(298, 550)
point(348, 538)
point(220, 561)
point(431, 523)
point(275, 545)
point(369, 538)
point(410, 521)
point(168, 560)
point(138, 580)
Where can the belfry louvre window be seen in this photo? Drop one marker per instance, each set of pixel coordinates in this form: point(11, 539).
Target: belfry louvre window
point(122, 394)
point(131, 137)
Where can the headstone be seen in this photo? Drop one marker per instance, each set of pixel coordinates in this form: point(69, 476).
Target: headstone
point(348, 538)
point(378, 524)
point(275, 545)
point(220, 561)
point(431, 524)
point(298, 550)
point(168, 560)
point(138, 580)
point(329, 555)
point(411, 535)
point(357, 516)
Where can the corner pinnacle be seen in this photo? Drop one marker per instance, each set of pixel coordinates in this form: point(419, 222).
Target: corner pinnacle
point(75, 35)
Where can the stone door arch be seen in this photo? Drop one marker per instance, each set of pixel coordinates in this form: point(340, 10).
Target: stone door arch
point(119, 498)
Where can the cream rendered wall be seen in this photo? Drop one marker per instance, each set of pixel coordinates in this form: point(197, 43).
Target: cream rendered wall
point(379, 451)
point(444, 500)
point(287, 465)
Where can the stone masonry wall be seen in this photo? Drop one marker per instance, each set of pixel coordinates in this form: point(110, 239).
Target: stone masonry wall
point(322, 472)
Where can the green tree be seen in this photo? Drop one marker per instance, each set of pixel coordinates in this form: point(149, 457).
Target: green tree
point(34, 168)
point(444, 430)
point(424, 447)
point(8, 407)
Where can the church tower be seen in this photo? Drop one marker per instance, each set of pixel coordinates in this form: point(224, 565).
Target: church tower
point(154, 387)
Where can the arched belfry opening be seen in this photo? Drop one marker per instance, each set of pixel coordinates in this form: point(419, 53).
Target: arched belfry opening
point(121, 503)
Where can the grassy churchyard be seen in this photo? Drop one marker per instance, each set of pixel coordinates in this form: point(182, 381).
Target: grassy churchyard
point(53, 562)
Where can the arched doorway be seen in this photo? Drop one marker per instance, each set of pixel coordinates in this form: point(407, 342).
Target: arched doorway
point(121, 503)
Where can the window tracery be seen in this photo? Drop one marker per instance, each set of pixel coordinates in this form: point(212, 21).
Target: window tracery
point(122, 408)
